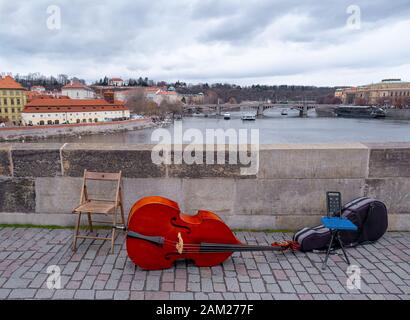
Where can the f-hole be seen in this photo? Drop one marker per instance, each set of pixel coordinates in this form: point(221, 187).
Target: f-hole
point(173, 222)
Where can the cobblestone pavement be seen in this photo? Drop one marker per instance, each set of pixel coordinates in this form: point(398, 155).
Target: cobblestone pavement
point(93, 273)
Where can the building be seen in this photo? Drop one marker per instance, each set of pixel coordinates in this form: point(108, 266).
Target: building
point(12, 100)
point(388, 91)
point(77, 90)
point(148, 92)
point(39, 89)
point(65, 111)
point(192, 98)
point(116, 82)
point(168, 96)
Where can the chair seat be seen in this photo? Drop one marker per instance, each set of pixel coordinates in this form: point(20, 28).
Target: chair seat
point(95, 206)
point(338, 223)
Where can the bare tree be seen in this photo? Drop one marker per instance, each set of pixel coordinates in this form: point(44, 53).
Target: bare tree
point(174, 108)
point(136, 101)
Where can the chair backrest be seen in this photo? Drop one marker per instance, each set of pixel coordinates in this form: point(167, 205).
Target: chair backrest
point(101, 176)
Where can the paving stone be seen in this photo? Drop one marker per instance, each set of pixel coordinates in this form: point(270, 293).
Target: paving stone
point(44, 294)
point(121, 295)
point(286, 286)
point(182, 296)
point(84, 294)
point(64, 294)
point(104, 294)
point(22, 294)
point(93, 273)
point(4, 293)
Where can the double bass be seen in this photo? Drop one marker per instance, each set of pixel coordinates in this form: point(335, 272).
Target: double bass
point(158, 234)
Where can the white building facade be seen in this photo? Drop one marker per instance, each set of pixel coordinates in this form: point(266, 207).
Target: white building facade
point(69, 111)
point(78, 90)
point(116, 82)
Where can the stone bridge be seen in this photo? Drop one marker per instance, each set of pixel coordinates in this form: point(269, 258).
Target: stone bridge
point(302, 106)
point(40, 182)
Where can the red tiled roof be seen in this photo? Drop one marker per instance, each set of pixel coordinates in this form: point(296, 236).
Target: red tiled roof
point(72, 105)
point(152, 89)
point(76, 85)
point(167, 93)
point(9, 83)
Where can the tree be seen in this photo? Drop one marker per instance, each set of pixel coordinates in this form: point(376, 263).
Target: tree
point(136, 101)
point(232, 100)
point(211, 97)
point(174, 108)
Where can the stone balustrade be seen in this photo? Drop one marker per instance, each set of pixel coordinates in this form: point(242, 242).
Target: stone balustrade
point(40, 183)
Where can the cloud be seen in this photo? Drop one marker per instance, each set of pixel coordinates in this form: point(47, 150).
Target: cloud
point(261, 41)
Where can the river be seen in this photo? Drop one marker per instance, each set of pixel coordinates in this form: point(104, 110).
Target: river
point(275, 128)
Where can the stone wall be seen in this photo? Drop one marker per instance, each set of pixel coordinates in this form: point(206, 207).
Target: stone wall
point(40, 183)
point(36, 132)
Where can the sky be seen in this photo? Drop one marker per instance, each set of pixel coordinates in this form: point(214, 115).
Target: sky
point(322, 43)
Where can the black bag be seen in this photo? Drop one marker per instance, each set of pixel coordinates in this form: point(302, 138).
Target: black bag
point(316, 238)
point(369, 215)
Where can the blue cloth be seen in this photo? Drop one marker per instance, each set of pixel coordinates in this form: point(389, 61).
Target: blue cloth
point(337, 223)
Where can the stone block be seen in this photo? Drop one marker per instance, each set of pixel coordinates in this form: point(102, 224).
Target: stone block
point(291, 196)
point(215, 195)
point(313, 161)
point(296, 222)
point(61, 195)
point(394, 192)
point(208, 166)
point(135, 189)
point(5, 157)
point(133, 160)
point(389, 160)
point(399, 222)
point(57, 195)
point(36, 159)
point(17, 195)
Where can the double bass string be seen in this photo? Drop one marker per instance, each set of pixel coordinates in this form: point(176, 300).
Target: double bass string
point(219, 248)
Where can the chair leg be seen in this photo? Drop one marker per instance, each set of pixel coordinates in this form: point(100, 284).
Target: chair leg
point(90, 223)
point(343, 249)
point(122, 214)
point(114, 225)
point(324, 265)
point(76, 230)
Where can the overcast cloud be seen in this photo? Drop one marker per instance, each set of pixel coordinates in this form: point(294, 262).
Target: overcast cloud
point(237, 41)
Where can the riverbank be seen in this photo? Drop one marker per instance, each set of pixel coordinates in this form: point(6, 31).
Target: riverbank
point(80, 129)
point(394, 114)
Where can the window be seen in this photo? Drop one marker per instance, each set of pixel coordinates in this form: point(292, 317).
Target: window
point(12, 101)
point(49, 122)
point(41, 123)
point(57, 122)
point(95, 120)
point(12, 110)
point(90, 120)
point(18, 101)
point(84, 120)
point(78, 120)
point(5, 101)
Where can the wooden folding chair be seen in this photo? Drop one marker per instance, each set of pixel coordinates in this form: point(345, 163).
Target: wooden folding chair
point(106, 207)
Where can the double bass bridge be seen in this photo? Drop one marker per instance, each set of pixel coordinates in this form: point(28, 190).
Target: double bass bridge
point(180, 244)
